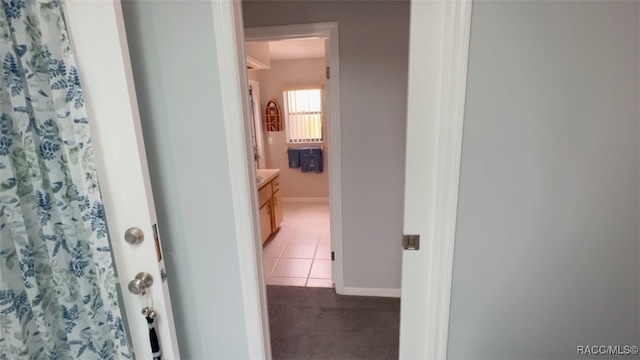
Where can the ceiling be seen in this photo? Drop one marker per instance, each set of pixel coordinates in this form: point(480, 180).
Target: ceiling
point(296, 49)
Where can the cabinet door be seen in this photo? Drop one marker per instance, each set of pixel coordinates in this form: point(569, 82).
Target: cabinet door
point(264, 194)
point(277, 209)
point(265, 221)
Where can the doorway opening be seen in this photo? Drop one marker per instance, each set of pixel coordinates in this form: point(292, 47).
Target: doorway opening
point(299, 195)
point(430, 86)
point(289, 75)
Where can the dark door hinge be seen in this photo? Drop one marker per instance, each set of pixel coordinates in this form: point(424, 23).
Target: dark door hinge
point(328, 73)
point(333, 256)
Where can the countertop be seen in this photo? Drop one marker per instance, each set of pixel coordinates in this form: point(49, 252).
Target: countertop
point(266, 175)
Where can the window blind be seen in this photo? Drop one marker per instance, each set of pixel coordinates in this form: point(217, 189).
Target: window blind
point(303, 115)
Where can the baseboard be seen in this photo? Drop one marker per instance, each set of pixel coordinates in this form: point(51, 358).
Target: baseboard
point(305, 199)
point(358, 291)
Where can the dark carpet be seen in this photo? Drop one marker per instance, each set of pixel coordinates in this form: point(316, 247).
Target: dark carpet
point(316, 323)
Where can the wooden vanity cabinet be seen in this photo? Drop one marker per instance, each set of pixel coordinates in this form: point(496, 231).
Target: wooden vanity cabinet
point(271, 214)
point(265, 221)
point(277, 210)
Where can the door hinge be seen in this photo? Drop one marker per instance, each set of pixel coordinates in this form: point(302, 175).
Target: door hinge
point(411, 242)
point(333, 256)
point(328, 73)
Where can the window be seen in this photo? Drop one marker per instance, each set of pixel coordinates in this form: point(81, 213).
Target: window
point(303, 115)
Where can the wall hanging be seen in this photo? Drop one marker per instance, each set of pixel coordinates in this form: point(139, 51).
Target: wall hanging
point(272, 116)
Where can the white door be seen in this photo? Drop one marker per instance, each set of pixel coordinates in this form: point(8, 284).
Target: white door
point(438, 53)
point(98, 36)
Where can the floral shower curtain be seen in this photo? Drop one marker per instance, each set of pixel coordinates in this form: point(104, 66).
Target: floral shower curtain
point(58, 297)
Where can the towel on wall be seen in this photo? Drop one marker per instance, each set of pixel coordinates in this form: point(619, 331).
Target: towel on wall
point(311, 159)
point(294, 158)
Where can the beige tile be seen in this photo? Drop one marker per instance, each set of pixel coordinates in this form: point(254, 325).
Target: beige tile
point(325, 237)
point(328, 283)
point(292, 268)
point(323, 252)
point(287, 230)
point(288, 222)
point(290, 215)
point(310, 211)
point(283, 235)
point(299, 251)
point(273, 249)
point(268, 265)
point(305, 237)
point(315, 215)
point(289, 210)
point(310, 225)
point(288, 281)
point(321, 269)
point(289, 205)
point(311, 216)
point(317, 207)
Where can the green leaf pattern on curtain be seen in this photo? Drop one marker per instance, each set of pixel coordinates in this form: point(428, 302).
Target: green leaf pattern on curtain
point(58, 295)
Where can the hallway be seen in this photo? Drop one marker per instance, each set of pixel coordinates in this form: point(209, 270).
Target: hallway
point(316, 323)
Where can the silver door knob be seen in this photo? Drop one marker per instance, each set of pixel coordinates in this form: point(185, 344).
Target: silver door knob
point(139, 285)
point(133, 235)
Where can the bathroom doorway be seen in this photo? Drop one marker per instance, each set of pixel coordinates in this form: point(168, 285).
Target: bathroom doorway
point(302, 245)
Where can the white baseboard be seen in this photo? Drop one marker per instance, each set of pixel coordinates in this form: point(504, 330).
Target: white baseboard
point(358, 291)
point(305, 199)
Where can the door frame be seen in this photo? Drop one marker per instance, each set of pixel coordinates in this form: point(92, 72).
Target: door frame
point(440, 38)
point(229, 38)
point(439, 53)
point(329, 31)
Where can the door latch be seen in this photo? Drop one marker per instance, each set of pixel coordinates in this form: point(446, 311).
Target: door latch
point(411, 242)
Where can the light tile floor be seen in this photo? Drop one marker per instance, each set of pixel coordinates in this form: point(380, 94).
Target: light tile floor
point(299, 254)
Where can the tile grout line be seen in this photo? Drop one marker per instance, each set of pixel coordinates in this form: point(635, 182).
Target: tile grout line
point(315, 252)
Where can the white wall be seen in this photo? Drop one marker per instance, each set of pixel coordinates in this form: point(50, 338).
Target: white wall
point(304, 72)
point(374, 40)
point(547, 247)
point(174, 63)
point(253, 75)
point(258, 51)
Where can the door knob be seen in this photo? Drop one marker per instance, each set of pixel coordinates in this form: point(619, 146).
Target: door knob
point(140, 284)
point(133, 235)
